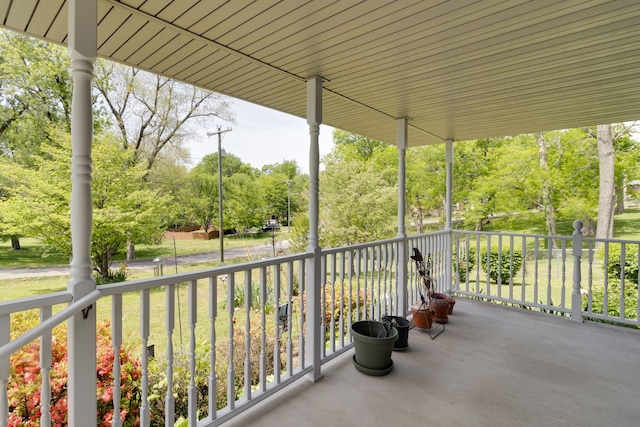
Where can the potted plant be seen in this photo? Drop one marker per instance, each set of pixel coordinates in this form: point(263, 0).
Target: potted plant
point(373, 342)
point(402, 325)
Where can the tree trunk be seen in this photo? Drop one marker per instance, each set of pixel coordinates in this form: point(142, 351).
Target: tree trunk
point(607, 199)
point(548, 207)
point(15, 243)
point(620, 195)
point(103, 268)
point(419, 218)
point(131, 251)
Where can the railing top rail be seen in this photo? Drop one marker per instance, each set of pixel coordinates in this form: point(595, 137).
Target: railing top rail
point(601, 240)
point(546, 236)
point(153, 282)
point(53, 321)
point(432, 233)
point(360, 246)
point(30, 303)
point(505, 233)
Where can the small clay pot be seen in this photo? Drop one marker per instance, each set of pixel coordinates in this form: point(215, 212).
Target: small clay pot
point(440, 304)
point(452, 302)
point(422, 316)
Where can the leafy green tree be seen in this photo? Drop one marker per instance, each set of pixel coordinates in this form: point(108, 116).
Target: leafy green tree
point(284, 189)
point(288, 168)
point(172, 180)
point(356, 204)
point(124, 207)
point(243, 203)
point(35, 93)
point(426, 182)
point(203, 201)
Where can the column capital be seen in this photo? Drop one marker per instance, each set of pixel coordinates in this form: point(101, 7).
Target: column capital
point(314, 101)
point(83, 29)
point(402, 135)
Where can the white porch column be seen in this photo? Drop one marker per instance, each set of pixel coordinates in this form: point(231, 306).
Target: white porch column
point(314, 281)
point(402, 275)
point(82, 327)
point(448, 204)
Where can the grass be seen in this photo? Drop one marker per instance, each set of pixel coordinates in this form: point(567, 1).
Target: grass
point(626, 225)
point(31, 254)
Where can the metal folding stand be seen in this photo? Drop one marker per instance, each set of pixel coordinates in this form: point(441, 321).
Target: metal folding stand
point(427, 282)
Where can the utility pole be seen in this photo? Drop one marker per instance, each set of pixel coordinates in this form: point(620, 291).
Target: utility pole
point(289, 181)
point(220, 222)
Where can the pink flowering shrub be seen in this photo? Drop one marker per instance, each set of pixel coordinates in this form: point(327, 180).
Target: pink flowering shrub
point(25, 378)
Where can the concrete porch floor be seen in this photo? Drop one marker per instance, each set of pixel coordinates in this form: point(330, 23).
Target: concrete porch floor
point(493, 366)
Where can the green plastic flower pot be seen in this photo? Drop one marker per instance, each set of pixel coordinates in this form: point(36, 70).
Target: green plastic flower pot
point(373, 344)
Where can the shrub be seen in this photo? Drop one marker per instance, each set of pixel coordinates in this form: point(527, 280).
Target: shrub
point(181, 378)
point(239, 298)
point(466, 263)
point(113, 276)
point(25, 378)
point(614, 265)
point(501, 270)
point(613, 301)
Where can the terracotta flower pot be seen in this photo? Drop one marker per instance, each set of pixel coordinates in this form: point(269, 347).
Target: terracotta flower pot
point(440, 304)
point(422, 316)
point(452, 302)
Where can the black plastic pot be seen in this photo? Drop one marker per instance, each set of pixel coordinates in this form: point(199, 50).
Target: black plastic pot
point(402, 325)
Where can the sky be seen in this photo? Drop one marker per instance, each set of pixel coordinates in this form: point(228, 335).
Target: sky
point(261, 136)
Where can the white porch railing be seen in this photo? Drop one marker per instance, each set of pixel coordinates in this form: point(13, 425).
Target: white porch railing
point(566, 275)
point(231, 368)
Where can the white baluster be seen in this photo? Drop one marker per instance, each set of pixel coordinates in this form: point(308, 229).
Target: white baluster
point(263, 337)
point(277, 363)
point(511, 245)
point(5, 369)
point(116, 343)
point(350, 296)
point(576, 298)
point(536, 252)
point(524, 268)
point(193, 320)
point(45, 364)
point(323, 305)
point(144, 336)
point(213, 313)
point(623, 258)
point(342, 300)
point(591, 250)
point(332, 326)
point(564, 273)
point(231, 391)
point(302, 362)
point(549, 269)
point(170, 404)
point(290, 280)
point(247, 334)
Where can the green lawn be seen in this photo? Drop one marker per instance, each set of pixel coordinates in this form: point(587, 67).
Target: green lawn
point(626, 226)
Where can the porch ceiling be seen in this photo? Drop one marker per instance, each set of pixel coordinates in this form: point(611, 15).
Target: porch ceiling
point(458, 69)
